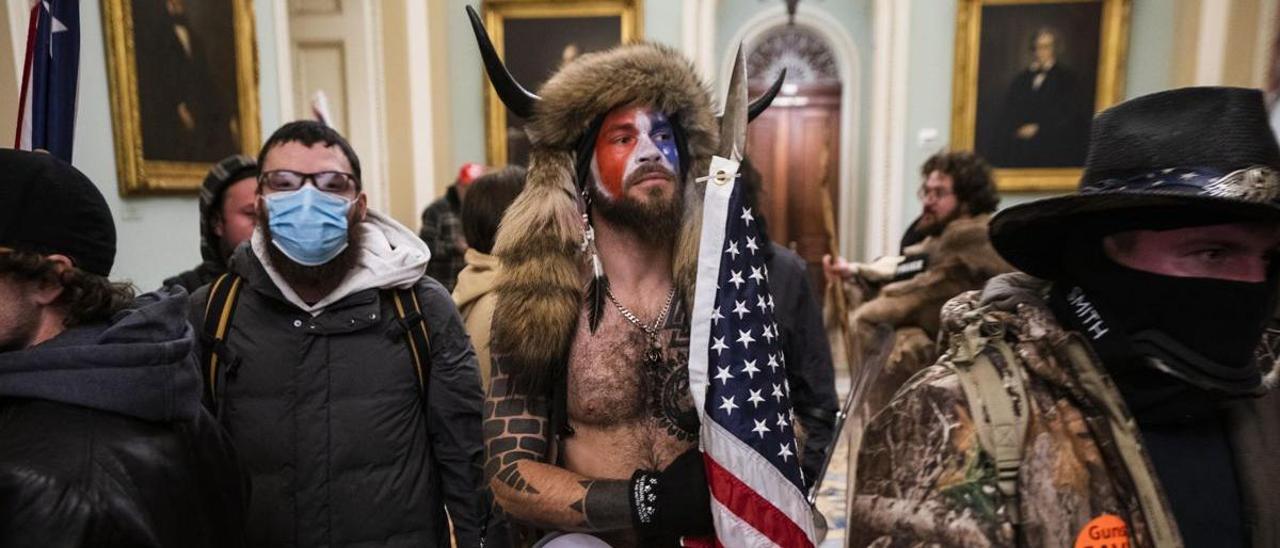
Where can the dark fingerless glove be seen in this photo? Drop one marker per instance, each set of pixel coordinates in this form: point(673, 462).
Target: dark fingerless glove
point(673, 503)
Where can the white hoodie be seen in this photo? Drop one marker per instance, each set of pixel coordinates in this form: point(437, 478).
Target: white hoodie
point(391, 256)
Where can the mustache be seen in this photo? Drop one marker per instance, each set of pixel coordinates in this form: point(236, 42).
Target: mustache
point(647, 171)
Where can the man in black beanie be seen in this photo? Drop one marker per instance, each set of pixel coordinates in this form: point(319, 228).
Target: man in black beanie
point(1114, 399)
point(227, 217)
point(105, 442)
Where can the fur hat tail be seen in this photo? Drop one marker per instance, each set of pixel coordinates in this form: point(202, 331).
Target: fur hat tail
point(539, 286)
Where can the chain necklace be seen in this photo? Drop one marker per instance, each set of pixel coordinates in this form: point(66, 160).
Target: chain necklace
point(653, 356)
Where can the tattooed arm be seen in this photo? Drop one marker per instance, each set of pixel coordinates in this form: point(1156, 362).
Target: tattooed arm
point(517, 438)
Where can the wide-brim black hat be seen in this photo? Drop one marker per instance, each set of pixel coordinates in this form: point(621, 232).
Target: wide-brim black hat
point(1185, 157)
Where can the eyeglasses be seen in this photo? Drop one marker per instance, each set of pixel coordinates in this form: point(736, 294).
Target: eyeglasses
point(283, 180)
point(926, 194)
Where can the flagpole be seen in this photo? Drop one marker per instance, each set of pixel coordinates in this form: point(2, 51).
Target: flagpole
point(24, 97)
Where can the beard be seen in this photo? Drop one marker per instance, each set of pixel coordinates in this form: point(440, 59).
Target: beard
point(19, 319)
point(324, 277)
point(938, 224)
point(655, 220)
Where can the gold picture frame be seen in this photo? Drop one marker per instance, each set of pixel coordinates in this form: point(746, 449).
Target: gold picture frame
point(973, 83)
point(498, 13)
point(150, 159)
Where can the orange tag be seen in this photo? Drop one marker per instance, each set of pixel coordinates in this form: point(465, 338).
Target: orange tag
point(1105, 531)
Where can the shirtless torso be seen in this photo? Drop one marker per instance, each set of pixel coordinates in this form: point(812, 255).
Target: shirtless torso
point(626, 415)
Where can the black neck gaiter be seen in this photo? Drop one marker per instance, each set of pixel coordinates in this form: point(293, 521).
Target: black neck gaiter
point(1204, 330)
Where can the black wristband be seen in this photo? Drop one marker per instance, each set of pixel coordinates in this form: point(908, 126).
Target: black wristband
point(910, 266)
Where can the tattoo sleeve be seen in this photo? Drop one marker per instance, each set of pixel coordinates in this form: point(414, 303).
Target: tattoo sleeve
point(517, 443)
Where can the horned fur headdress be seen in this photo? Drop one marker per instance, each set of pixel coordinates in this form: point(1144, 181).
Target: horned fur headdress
point(546, 266)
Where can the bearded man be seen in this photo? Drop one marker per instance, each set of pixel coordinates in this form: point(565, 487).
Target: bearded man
point(958, 195)
point(351, 435)
point(589, 422)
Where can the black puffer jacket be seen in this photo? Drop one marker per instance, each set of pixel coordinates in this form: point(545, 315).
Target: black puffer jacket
point(103, 442)
point(804, 343)
point(327, 416)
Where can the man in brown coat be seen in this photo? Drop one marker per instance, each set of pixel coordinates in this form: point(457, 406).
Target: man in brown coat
point(958, 196)
point(1117, 400)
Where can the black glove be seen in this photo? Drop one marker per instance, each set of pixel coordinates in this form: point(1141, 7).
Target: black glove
point(673, 503)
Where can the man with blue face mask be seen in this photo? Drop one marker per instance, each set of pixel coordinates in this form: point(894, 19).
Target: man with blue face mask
point(354, 429)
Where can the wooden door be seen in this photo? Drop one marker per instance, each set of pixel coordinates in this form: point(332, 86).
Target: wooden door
point(787, 145)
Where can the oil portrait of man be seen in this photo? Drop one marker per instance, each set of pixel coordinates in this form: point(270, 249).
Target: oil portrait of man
point(1036, 83)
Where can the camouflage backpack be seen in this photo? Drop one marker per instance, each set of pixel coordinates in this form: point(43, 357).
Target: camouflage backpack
point(994, 384)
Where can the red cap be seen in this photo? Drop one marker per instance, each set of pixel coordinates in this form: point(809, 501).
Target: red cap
point(469, 172)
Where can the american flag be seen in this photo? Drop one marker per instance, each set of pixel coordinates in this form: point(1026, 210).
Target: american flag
point(47, 119)
point(737, 375)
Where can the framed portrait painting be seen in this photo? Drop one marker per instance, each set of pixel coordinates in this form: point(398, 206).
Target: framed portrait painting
point(550, 33)
point(184, 89)
point(1029, 76)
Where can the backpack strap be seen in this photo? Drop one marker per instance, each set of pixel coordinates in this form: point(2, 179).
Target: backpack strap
point(409, 312)
point(219, 308)
point(994, 386)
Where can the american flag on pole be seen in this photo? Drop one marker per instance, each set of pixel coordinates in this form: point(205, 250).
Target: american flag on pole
point(47, 119)
point(737, 375)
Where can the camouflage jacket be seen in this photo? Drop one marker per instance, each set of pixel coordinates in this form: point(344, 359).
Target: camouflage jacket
point(1084, 478)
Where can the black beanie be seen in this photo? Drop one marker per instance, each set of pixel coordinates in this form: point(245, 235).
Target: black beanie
point(49, 207)
point(231, 169)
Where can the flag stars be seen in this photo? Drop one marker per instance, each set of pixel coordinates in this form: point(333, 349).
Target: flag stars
point(722, 374)
point(715, 316)
point(727, 404)
point(740, 308)
point(735, 278)
point(775, 326)
point(756, 275)
point(717, 344)
point(733, 249)
point(773, 363)
point(777, 393)
point(746, 216)
point(769, 334)
point(785, 452)
point(761, 303)
point(744, 337)
point(751, 244)
point(782, 423)
point(760, 428)
point(755, 400)
point(750, 369)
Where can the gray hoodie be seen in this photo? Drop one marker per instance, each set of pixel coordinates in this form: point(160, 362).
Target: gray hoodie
point(140, 364)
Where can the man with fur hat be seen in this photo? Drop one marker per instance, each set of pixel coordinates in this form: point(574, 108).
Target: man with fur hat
point(958, 195)
point(589, 422)
point(228, 214)
point(105, 442)
point(1115, 398)
point(352, 435)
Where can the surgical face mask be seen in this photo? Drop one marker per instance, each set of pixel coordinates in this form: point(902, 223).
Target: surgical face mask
point(307, 225)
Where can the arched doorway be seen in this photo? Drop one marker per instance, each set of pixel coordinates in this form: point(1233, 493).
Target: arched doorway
point(796, 143)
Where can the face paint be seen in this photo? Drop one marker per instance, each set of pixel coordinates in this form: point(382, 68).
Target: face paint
point(629, 138)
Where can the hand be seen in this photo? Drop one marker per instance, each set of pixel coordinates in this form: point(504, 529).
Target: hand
point(184, 115)
point(1027, 131)
point(837, 269)
point(675, 502)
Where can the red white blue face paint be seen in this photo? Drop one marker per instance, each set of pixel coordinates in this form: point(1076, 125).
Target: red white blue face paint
point(633, 142)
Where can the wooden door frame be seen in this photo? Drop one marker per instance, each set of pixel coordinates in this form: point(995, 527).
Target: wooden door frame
point(851, 225)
